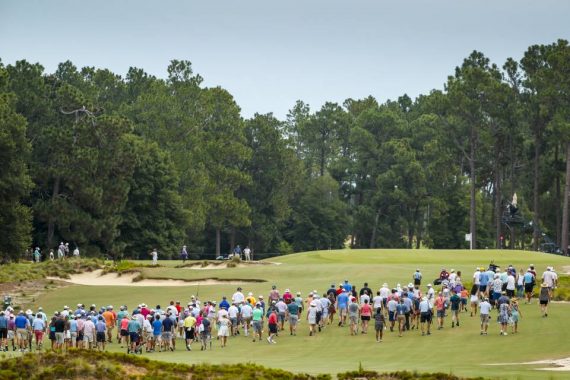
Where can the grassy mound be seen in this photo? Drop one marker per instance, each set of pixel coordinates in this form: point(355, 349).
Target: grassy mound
point(82, 364)
point(18, 272)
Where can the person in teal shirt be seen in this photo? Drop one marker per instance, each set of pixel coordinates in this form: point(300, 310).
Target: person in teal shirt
point(257, 321)
point(293, 314)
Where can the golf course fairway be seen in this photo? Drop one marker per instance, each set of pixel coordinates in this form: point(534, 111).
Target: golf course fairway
point(461, 351)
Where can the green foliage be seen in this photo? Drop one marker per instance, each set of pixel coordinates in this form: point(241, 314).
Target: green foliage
point(122, 165)
point(15, 182)
point(319, 217)
point(154, 215)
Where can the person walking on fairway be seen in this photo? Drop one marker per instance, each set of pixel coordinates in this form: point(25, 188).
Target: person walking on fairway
point(184, 254)
point(417, 276)
point(544, 298)
point(485, 309)
point(379, 323)
point(272, 322)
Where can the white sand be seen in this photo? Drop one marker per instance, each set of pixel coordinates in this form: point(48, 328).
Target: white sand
point(96, 278)
point(558, 364)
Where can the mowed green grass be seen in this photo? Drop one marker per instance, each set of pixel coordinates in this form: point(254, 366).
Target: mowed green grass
point(461, 351)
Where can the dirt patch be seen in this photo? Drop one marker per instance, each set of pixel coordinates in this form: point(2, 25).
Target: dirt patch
point(25, 293)
point(97, 278)
point(566, 270)
point(555, 364)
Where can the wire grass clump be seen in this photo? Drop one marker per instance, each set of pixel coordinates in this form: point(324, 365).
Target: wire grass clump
point(83, 364)
point(25, 271)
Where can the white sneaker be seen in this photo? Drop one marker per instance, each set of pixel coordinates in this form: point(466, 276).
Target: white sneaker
point(269, 340)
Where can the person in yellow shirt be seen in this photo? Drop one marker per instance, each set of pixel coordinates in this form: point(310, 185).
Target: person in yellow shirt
point(110, 321)
point(251, 299)
point(189, 328)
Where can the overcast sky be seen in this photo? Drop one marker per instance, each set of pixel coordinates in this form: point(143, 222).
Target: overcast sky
point(270, 53)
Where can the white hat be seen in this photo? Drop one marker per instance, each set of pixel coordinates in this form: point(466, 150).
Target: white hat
point(65, 307)
point(250, 294)
point(429, 285)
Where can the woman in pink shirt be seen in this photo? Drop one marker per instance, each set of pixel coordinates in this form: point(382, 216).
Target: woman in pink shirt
point(365, 314)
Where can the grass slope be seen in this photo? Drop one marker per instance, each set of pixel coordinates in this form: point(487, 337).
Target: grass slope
point(461, 351)
point(81, 364)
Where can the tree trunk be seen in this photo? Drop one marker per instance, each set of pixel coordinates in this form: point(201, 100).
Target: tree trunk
point(322, 171)
point(420, 227)
point(51, 219)
point(565, 208)
point(535, 192)
point(373, 237)
point(472, 209)
point(558, 200)
point(218, 241)
point(498, 208)
point(233, 238)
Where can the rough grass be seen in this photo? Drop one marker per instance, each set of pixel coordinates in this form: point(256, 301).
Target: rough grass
point(82, 364)
point(18, 272)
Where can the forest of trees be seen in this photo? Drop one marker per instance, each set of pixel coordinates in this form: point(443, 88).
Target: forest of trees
point(119, 165)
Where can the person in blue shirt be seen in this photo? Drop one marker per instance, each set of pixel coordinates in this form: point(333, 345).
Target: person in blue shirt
point(483, 281)
point(224, 304)
point(167, 331)
point(342, 307)
point(156, 333)
point(3, 331)
point(529, 282)
point(347, 287)
point(22, 330)
point(401, 311)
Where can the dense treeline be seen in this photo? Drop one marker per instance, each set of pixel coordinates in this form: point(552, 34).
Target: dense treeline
point(120, 165)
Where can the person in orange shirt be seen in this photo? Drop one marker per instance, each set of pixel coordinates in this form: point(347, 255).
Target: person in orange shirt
point(110, 320)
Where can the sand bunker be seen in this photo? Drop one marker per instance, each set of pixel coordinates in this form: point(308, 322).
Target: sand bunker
point(557, 364)
point(97, 278)
point(224, 265)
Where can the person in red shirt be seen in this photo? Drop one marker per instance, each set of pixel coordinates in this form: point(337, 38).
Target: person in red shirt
point(340, 289)
point(287, 296)
point(178, 307)
point(440, 309)
point(272, 321)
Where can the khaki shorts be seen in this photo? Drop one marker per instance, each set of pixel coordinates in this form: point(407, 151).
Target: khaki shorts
point(22, 333)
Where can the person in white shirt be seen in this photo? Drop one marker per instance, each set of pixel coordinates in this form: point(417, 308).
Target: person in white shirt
point(430, 295)
point(377, 301)
point(233, 312)
point(476, 281)
point(485, 310)
point(246, 315)
point(511, 285)
point(238, 297)
point(364, 298)
point(425, 315)
point(76, 252)
point(325, 304)
point(247, 253)
point(452, 277)
point(550, 278)
point(154, 255)
point(384, 293)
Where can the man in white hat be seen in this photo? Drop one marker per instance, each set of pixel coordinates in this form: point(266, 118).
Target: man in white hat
point(425, 315)
point(550, 278)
